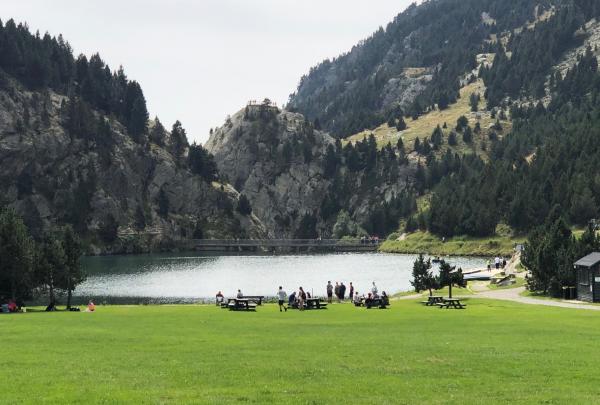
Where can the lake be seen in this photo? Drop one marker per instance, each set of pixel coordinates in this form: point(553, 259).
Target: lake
point(190, 277)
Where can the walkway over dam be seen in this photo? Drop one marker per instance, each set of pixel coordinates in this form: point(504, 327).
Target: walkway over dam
point(291, 245)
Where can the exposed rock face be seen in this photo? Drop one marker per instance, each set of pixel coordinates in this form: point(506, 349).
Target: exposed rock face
point(51, 178)
point(267, 158)
point(277, 160)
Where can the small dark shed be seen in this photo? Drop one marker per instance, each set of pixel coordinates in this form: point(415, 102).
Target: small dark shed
point(588, 277)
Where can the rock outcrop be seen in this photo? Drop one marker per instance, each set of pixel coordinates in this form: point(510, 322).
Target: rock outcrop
point(274, 158)
point(278, 160)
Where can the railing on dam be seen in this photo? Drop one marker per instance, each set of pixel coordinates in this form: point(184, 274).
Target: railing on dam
point(320, 244)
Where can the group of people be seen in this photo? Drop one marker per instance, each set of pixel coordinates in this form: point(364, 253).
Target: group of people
point(498, 263)
point(366, 240)
point(297, 299)
point(9, 306)
point(339, 290)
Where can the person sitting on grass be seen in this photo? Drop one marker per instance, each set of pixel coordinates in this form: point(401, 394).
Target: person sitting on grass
point(356, 300)
point(12, 306)
point(91, 307)
point(292, 300)
point(282, 296)
point(384, 298)
point(369, 300)
point(219, 298)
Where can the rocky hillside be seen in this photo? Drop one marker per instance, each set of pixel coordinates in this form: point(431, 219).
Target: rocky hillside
point(297, 179)
point(121, 195)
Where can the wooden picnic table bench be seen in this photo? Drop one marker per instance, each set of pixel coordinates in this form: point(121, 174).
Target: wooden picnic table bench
point(240, 304)
point(376, 302)
point(451, 303)
point(315, 303)
point(433, 300)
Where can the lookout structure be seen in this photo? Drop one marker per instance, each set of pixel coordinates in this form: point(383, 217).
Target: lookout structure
point(255, 109)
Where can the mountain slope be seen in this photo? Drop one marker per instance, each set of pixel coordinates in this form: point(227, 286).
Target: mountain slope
point(413, 64)
point(86, 158)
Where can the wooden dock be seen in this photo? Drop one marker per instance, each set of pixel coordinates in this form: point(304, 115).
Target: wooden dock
point(284, 245)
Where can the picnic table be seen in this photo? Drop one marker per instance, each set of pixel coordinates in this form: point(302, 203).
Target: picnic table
point(451, 303)
point(315, 303)
point(433, 300)
point(375, 302)
point(240, 304)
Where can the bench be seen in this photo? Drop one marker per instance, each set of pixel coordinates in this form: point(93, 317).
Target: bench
point(451, 303)
point(433, 300)
point(311, 303)
point(240, 304)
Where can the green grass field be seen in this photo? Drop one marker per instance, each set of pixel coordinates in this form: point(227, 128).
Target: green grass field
point(492, 352)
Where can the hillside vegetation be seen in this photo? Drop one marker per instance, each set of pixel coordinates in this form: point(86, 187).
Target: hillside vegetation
point(423, 126)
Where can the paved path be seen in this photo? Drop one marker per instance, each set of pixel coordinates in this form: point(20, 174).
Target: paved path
point(513, 294)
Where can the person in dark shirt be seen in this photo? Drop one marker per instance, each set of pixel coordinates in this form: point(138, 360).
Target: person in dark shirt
point(329, 291)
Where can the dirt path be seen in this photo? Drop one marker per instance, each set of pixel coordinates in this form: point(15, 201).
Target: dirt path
point(513, 294)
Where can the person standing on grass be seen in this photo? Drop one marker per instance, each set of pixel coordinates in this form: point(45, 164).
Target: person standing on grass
point(342, 291)
point(351, 294)
point(337, 291)
point(329, 291)
point(374, 289)
point(301, 299)
point(282, 296)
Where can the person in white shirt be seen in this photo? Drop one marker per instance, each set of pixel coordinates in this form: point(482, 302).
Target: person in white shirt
point(374, 289)
point(239, 294)
point(282, 297)
point(497, 261)
point(356, 299)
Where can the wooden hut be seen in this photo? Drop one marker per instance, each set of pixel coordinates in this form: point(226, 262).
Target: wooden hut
point(588, 277)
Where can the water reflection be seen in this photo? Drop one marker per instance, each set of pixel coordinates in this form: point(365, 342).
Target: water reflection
point(194, 277)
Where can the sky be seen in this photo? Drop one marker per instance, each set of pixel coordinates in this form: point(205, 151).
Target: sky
point(201, 60)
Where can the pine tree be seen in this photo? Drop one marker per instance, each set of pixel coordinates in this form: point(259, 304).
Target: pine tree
point(423, 278)
point(449, 276)
point(179, 141)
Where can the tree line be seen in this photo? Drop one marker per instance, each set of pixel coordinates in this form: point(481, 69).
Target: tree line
point(48, 265)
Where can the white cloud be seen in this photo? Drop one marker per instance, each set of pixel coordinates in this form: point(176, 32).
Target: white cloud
point(199, 61)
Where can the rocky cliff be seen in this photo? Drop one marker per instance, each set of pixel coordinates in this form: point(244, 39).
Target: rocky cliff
point(121, 195)
point(280, 162)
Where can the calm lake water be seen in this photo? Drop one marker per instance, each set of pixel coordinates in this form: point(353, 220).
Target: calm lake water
point(177, 278)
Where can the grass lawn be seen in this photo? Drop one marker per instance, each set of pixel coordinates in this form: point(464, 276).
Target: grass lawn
point(425, 242)
point(492, 352)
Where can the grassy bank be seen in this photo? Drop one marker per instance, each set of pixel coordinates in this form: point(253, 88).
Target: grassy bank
point(492, 352)
point(424, 242)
